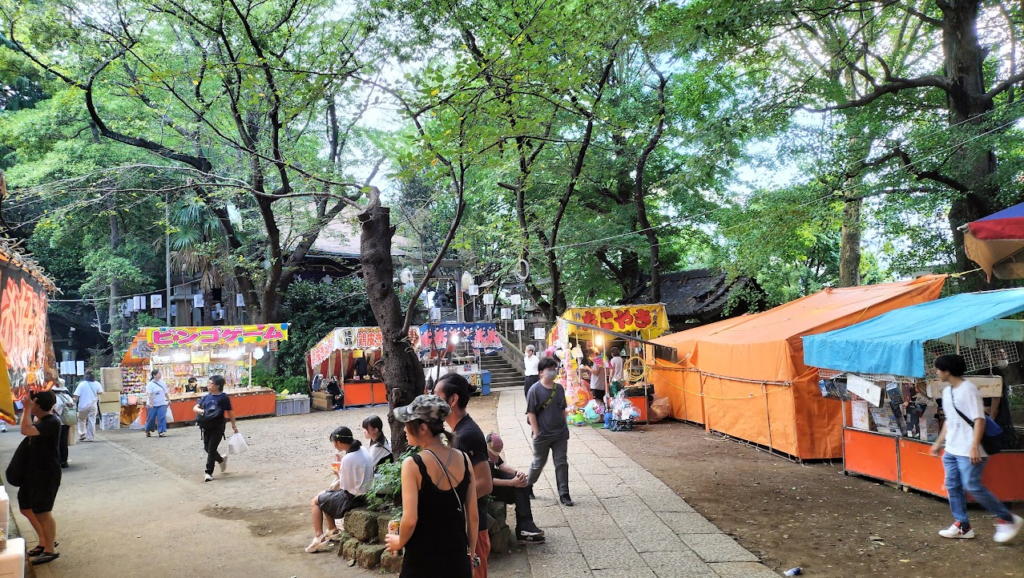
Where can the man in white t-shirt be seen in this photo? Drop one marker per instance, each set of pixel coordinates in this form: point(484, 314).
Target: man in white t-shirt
point(616, 363)
point(964, 460)
point(88, 395)
point(530, 361)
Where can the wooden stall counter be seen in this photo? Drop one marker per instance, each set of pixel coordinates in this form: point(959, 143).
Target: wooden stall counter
point(255, 402)
point(365, 393)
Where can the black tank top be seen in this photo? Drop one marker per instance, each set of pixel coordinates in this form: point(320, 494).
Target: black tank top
point(438, 544)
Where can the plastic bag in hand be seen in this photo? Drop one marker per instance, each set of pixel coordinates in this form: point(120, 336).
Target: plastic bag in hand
point(237, 445)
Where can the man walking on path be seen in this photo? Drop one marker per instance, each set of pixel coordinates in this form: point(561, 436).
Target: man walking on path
point(156, 419)
point(546, 407)
point(88, 394)
point(530, 361)
point(510, 487)
point(469, 439)
point(964, 460)
point(210, 413)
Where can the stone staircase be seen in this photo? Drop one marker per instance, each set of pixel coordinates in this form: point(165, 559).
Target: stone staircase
point(503, 374)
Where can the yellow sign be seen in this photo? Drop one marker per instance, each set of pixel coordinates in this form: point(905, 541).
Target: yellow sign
point(201, 357)
point(648, 320)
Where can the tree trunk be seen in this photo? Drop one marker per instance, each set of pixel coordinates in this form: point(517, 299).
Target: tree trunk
point(400, 365)
point(964, 59)
point(849, 251)
point(114, 311)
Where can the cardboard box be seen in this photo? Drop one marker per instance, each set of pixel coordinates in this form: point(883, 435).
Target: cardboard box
point(110, 396)
point(110, 407)
point(111, 379)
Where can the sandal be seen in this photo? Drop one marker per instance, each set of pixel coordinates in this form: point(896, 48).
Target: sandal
point(45, 558)
point(38, 550)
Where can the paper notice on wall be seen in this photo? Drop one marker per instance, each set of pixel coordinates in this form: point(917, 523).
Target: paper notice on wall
point(519, 324)
point(489, 299)
point(156, 301)
point(506, 313)
point(474, 289)
point(239, 300)
point(435, 314)
point(516, 299)
point(197, 300)
point(864, 389)
point(538, 333)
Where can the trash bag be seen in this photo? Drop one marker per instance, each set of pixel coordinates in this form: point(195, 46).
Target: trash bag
point(237, 445)
point(660, 409)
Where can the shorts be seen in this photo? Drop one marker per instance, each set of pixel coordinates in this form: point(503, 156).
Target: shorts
point(38, 497)
point(598, 394)
point(336, 503)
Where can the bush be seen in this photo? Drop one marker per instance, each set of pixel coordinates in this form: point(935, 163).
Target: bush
point(385, 494)
point(293, 383)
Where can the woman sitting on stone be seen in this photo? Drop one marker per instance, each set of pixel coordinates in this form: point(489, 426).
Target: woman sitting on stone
point(352, 480)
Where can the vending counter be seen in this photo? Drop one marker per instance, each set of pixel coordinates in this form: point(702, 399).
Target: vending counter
point(255, 402)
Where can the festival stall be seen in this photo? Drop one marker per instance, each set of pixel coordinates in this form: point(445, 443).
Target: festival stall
point(349, 354)
point(457, 347)
point(623, 327)
point(183, 352)
point(27, 361)
point(882, 370)
point(746, 377)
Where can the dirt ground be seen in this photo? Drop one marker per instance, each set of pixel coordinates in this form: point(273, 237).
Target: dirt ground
point(813, 516)
point(132, 506)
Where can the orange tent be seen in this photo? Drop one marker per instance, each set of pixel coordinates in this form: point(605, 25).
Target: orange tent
point(745, 376)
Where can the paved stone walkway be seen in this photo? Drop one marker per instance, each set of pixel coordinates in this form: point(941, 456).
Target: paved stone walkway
point(626, 522)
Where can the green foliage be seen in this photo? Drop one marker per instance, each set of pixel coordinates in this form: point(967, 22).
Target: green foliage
point(313, 309)
point(279, 383)
point(386, 489)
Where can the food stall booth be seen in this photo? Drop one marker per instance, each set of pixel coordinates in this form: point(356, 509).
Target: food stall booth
point(457, 347)
point(745, 377)
point(882, 370)
point(183, 352)
point(627, 328)
point(347, 354)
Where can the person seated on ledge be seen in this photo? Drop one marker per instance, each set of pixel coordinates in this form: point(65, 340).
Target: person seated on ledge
point(380, 447)
point(510, 487)
point(337, 397)
point(351, 482)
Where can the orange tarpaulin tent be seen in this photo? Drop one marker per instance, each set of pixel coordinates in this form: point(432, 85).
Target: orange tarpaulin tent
point(745, 376)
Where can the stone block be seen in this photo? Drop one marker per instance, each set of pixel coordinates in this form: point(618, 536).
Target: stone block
point(349, 545)
point(382, 526)
point(497, 513)
point(390, 562)
point(368, 555)
point(362, 524)
point(502, 541)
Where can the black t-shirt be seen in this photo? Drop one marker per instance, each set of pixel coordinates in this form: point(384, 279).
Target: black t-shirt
point(470, 440)
point(496, 473)
point(44, 451)
point(223, 401)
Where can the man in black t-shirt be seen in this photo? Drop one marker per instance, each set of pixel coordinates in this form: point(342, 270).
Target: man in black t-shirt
point(469, 439)
point(42, 472)
point(211, 412)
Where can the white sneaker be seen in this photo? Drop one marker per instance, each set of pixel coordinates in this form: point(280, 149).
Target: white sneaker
point(316, 544)
point(209, 478)
point(224, 465)
point(955, 531)
point(1006, 531)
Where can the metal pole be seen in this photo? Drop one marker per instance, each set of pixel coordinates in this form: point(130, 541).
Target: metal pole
point(167, 251)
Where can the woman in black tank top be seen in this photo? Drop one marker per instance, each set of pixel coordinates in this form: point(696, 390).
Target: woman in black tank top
point(438, 497)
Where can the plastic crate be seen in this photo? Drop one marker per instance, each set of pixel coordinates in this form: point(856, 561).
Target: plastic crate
point(284, 407)
point(110, 421)
point(300, 404)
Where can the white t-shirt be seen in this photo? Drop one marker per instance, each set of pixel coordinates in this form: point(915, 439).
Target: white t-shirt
point(377, 452)
point(88, 392)
point(531, 364)
point(356, 472)
point(157, 391)
point(617, 363)
point(960, 434)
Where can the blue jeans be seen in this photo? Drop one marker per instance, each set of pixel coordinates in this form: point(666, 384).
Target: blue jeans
point(156, 419)
point(962, 475)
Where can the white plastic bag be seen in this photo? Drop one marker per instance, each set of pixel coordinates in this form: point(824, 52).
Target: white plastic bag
point(237, 445)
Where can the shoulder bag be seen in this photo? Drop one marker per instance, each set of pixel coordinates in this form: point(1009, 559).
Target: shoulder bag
point(990, 441)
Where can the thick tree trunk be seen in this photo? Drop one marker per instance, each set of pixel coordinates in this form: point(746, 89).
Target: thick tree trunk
point(964, 59)
point(849, 250)
point(400, 365)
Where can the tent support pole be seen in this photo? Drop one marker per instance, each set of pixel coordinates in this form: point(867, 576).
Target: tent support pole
point(767, 417)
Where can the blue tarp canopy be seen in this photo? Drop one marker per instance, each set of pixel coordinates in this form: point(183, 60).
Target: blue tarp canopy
point(893, 343)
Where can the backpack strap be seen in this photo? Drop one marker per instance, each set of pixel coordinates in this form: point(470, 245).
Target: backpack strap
point(548, 401)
